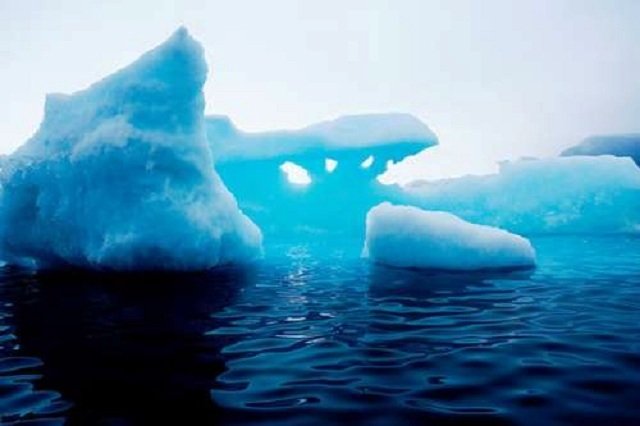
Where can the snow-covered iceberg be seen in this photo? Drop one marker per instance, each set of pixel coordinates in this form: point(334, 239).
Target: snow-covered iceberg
point(590, 195)
point(409, 237)
point(119, 176)
point(618, 145)
point(317, 180)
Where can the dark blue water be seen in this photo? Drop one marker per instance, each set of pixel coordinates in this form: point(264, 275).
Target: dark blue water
point(314, 335)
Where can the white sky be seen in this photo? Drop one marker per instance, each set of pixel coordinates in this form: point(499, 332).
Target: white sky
point(494, 79)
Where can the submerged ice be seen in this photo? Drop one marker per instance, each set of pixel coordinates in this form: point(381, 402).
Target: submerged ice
point(405, 236)
point(119, 176)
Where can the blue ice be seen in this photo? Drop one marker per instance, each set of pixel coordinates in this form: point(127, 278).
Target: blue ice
point(563, 195)
point(317, 181)
point(119, 176)
point(128, 174)
point(618, 145)
point(408, 237)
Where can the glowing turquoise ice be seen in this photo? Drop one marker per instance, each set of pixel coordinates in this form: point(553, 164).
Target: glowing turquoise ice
point(319, 180)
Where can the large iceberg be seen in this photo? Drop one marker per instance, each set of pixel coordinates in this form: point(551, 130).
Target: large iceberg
point(593, 195)
point(618, 145)
point(321, 179)
point(409, 237)
point(119, 176)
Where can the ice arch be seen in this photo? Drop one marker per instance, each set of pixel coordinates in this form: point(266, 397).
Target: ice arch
point(339, 194)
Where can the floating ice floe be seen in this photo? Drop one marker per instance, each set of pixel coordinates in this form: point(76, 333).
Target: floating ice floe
point(409, 237)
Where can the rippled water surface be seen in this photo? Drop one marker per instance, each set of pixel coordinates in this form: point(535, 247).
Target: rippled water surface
point(315, 335)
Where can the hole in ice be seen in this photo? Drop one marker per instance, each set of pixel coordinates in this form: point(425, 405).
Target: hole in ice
point(387, 178)
point(367, 162)
point(330, 164)
point(295, 174)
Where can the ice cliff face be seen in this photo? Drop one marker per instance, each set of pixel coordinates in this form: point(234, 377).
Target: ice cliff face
point(119, 176)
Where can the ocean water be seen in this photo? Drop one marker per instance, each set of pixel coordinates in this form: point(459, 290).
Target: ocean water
point(315, 335)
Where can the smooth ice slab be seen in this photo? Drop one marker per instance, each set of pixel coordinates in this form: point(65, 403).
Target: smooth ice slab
point(317, 180)
point(409, 237)
point(570, 195)
point(618, 145)
point(119, 176)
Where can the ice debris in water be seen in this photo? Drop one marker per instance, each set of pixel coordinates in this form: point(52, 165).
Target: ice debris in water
point(119, 176)
point(408, 237)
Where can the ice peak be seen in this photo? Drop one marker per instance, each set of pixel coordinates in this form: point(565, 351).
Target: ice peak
point(119, 176)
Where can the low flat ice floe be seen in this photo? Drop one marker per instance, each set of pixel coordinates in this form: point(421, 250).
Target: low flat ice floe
point(408, 237)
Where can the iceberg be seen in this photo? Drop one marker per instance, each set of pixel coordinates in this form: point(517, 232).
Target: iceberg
point(570, 195)
point(618, 145)
point(408, 237)
point(318, 180)
point(119, 176)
